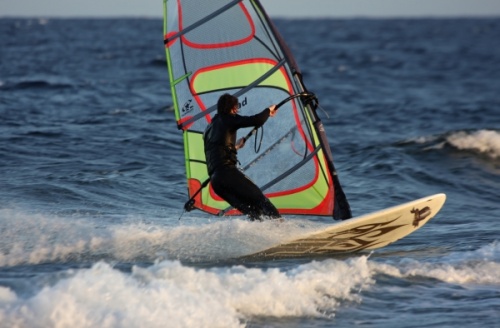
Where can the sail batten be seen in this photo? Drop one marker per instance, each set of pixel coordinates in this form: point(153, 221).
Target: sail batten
point(231, 46)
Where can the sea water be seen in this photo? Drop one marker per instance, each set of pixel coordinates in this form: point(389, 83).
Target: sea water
point(92, 183)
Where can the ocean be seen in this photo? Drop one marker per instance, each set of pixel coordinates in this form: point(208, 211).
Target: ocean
point(92, 181)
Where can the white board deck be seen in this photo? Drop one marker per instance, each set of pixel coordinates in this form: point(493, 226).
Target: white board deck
point(370, 231)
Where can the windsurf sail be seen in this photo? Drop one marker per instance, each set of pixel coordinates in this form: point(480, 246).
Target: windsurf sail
point(231, 46)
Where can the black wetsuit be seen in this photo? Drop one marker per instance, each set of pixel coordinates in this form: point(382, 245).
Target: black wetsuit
point(227, 180)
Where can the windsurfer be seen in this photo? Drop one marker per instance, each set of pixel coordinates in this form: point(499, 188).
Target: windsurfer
point(221, 154)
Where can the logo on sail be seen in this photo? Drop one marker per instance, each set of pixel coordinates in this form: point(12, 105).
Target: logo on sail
point(188, 106)
point(243, 103)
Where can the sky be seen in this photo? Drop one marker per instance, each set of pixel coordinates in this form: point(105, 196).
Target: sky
point(275, 8)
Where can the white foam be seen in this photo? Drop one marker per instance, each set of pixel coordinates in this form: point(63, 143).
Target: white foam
point(170, 294)
point(464, 268)
point(37, 238)
point(6, 295)
point(120, 111)
point(483, 141)
point(424, 139)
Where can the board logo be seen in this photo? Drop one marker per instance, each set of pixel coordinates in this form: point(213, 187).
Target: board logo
point(420, 215)
point(188, 106)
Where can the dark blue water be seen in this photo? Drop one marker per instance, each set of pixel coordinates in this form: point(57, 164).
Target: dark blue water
point(92, 181)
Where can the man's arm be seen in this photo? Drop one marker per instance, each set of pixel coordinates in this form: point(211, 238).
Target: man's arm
point(254, 120)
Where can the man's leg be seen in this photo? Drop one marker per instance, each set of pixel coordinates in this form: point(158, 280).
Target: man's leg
point(239, 191)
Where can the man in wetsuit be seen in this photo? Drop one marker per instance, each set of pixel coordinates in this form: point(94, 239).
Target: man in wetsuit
point(220, 150)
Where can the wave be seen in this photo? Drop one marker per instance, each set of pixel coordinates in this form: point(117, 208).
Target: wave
point(484, 142)
point(42, 81)
point(31, 239)
point(168, 291)
point(35, 84)
point(478, 267)
point(170, 294)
